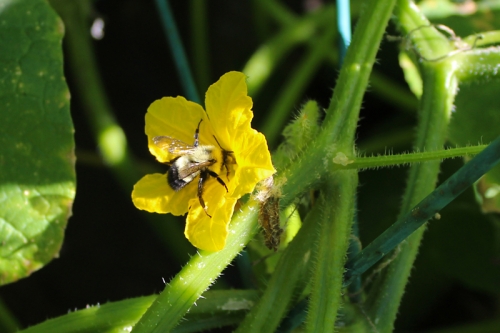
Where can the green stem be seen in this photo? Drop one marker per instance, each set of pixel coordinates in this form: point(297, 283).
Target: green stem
point(199, 273)
point(335, 229)
point(421, 36)
point(227, 307)
point(425, 210)
point(290, 22)
point(440, 87)
point(100, 318)
point(204, 268)
point(337, 133)
point(478, 65)
point(218, 308)
point(361, 163)
point(487, 38)
point(343, 111)
point(436, 105)
point(287, 279)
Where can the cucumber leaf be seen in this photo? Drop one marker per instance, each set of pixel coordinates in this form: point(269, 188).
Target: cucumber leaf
point(37, 161)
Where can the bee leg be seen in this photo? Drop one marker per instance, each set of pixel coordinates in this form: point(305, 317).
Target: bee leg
point(227, 158)
point(216, 176)
point(197, 134)
point(203, 177)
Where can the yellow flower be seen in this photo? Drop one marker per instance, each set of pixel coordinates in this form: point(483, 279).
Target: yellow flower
point(225, 130)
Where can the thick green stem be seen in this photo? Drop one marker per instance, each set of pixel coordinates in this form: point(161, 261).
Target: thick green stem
point(199, 273)
point(437, 102)
point(478, 65)
point(335, 229)
point(440, 86)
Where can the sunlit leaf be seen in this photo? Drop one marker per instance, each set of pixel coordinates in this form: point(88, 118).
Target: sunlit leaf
point(37, 176)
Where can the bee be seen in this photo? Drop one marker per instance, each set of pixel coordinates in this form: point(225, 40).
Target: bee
point(195, 160)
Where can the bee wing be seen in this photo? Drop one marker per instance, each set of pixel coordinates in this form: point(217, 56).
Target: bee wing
point(191, 168)
point(174, 146)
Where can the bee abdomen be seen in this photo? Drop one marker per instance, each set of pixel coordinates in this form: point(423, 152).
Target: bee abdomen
point(173, 178)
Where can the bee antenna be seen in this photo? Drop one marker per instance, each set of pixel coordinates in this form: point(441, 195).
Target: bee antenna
point(197, 134)
point(220, 145)
point(218, 142)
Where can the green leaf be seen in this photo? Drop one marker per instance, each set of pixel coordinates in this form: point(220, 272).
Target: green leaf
point(37, 177)
point(476, 121)
point(476, 118)
point(464, 17)
point(411, 73)
point(463, 246)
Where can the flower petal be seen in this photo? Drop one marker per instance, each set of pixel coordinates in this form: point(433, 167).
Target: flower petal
point(229, 108)
point(153, 194)
point(254, 163)
point(177, 118)
point(202, 231)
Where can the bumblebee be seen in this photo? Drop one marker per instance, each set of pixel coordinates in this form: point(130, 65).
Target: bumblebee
point(192, 161)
